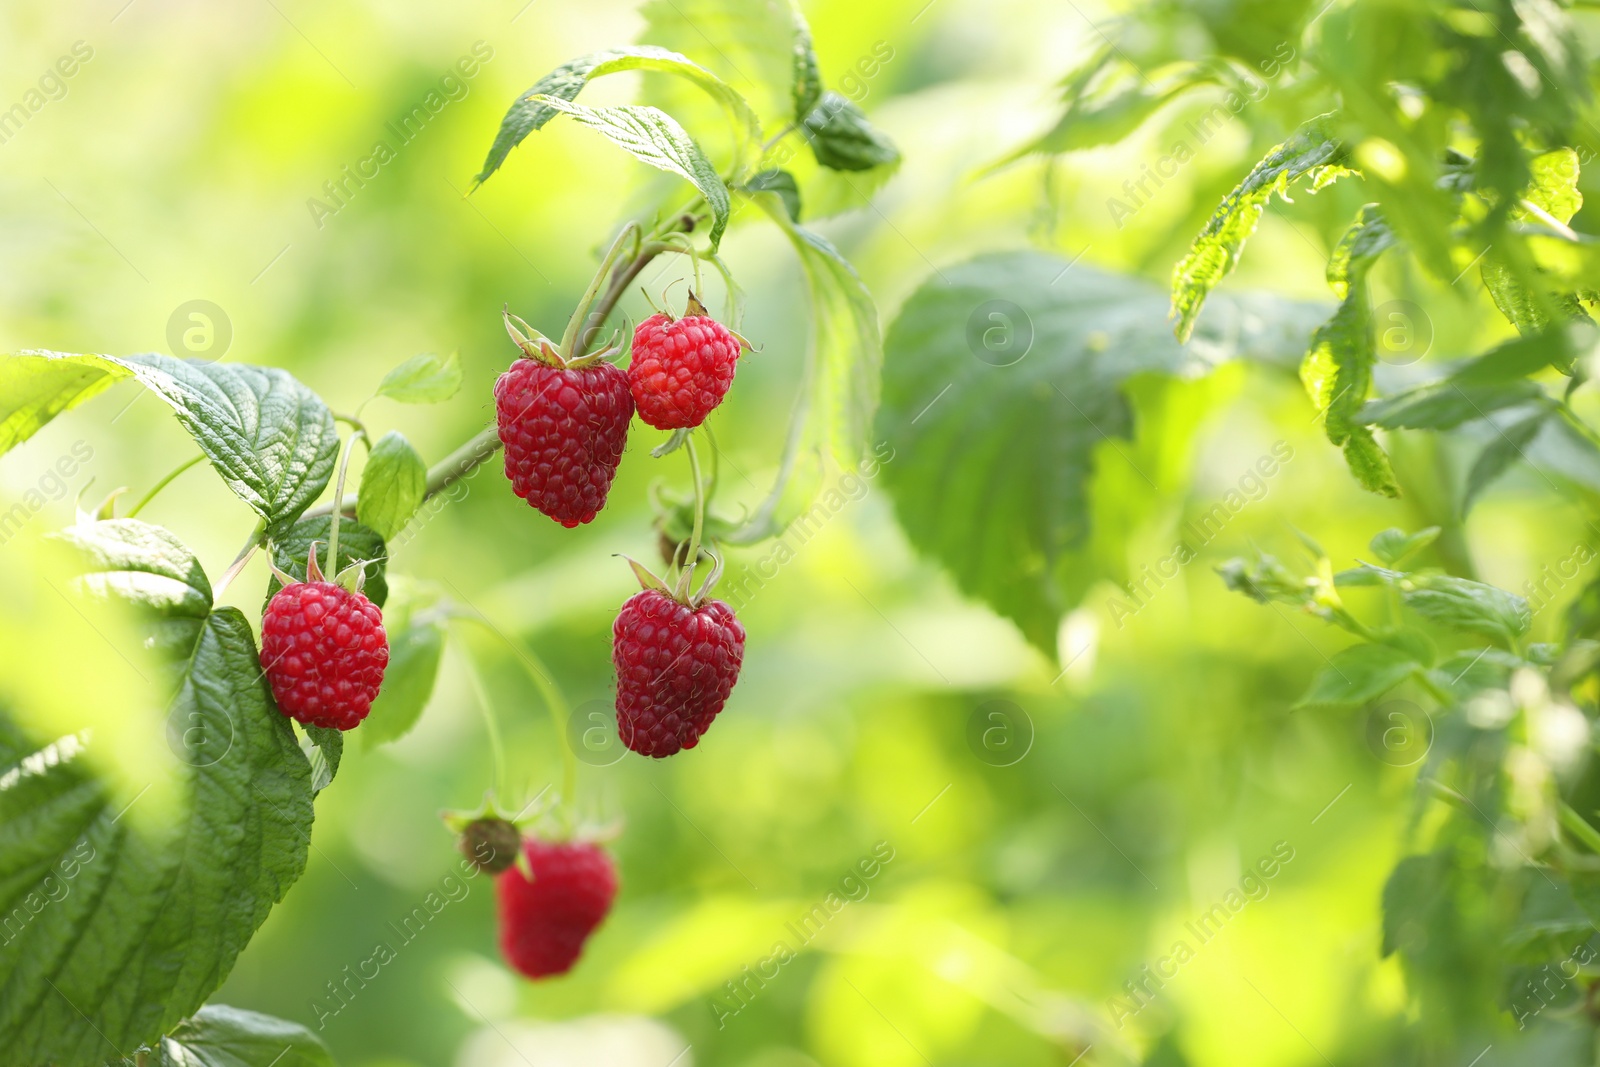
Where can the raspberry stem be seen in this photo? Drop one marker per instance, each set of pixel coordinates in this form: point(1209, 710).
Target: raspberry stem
point(580, 314)
point(338, 494)
point(491, 724)
point(163, 483)
point(686, 577)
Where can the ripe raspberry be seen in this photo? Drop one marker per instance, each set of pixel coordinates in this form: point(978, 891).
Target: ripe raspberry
point(675, 666)
point(564, 430)
point(681, 369)
point(323, 650)
point(544, 923)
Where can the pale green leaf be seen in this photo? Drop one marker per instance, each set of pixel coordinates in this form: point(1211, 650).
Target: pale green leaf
point(148, 567)
point(423, 379)
point(220, 1036)
point(842, 138)
point(35, 387)
point(1508, 445)
point(1313, 150)
point(1468, 606)
point(1394, 546)
point(393, 484)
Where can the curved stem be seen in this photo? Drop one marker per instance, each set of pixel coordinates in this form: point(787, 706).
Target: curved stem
point(580, 314)
point(162, 484)
point(686, 578)
point(338, 494)
point(554, 701)
point(490, 723)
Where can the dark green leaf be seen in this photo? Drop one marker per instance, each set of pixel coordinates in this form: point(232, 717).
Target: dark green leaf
point(1003, 378)
point(393, 484)
point(780, 182)
point(540, 103)
point(357, 543)
point(159, 904)
point(423, 379)
point(1358, 674)
point(1312, 151)
point(842, 139)
point(654, 137)
point(220, 1036)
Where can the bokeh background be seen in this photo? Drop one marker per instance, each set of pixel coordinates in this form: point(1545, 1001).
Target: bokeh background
point(1140, 783)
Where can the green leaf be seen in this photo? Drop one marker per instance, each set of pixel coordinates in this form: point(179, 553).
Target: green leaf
point(157, 905)
point(1003, 380)
point(1467, 673)
point(1358, 674)
point(842, 139)
point(1508, 444)
point(327, 748)
point(780, 182)
point(423, 379)
point(540, 103)
point(832, 422)
point(654, 137)
point(357, 543)
point(220, 1036)
point(1107, 112)
point(271, 439)
point(416, 645)
point(1468, 606)
point(1394, 546)
point(393, 484)
point(1312, 151)
point(1337, 369)
point(807, 76)
point(1412, 898)
point(36, 386)
point(1444, 405)
point(146, 566)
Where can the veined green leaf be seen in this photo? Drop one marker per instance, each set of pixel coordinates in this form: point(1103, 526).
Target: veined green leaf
point(1468, 606)
point(537, 106)
point(780, 182)
point(271, 439)
point(832, 422)
point(654, 137)
point(220, 1036)
point(1358, 674)
point(1313, 151)
point(807, 91)
point(393, 484)
point(416, 645)
point(1337, 370)
point(121, 927)
point(750, 44)
point(1003, 379)
point(423, 379)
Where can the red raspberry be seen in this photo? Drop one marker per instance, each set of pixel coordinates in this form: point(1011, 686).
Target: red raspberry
point(323, 650)
point(681, 369)
point(544, 923)
point(564, 430)
point(675, 666)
